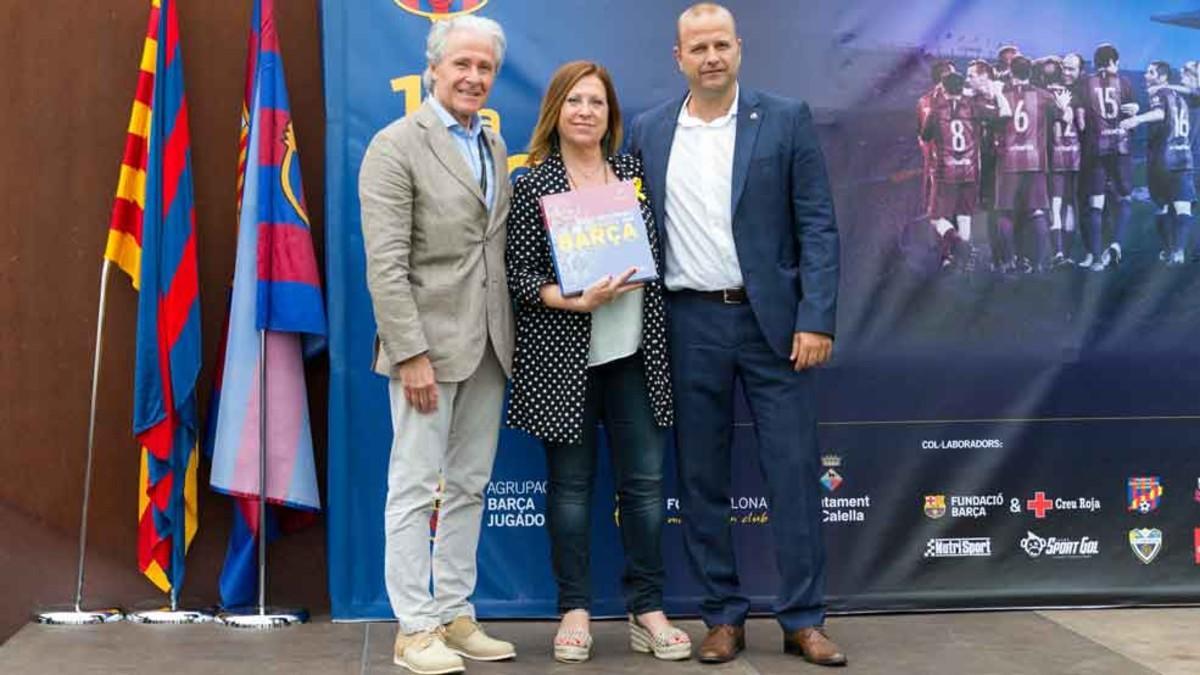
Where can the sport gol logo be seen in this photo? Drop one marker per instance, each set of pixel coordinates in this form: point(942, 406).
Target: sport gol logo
point(1058, 547)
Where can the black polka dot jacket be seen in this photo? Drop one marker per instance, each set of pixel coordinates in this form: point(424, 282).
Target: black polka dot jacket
point(549, 375)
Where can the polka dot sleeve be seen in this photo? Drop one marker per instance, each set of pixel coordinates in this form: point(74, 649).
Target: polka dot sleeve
point(527, 252)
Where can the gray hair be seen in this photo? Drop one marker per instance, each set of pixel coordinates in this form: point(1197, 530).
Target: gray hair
point(439, 35)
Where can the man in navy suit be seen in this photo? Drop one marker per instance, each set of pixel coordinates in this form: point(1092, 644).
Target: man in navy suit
point(739, 188)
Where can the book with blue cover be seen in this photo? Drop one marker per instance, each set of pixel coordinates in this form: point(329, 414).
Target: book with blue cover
point(596, 232)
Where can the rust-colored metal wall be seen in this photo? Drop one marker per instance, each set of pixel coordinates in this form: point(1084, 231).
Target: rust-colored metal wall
point(69, 69)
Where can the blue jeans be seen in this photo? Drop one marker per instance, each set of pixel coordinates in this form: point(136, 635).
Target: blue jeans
point(712, 345)
point(617, 396)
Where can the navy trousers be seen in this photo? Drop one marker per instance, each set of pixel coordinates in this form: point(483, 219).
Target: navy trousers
point(712, 346)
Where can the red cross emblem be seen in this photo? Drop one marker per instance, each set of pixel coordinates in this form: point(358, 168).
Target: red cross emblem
point(1039, 504)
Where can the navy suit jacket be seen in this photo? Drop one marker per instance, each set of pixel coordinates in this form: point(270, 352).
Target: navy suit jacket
point(784, 228)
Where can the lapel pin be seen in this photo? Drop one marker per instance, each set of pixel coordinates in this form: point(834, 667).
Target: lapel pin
point(754, 115)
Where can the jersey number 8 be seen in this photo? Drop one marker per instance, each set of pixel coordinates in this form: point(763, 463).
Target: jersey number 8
point(958, 136)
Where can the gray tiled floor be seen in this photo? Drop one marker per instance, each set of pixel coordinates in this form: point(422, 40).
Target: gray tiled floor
point(1164, 640)
point(1092, 642)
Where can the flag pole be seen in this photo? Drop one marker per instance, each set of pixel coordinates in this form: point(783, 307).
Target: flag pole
point(77, 616)
point(262, 617)
point(262, 473)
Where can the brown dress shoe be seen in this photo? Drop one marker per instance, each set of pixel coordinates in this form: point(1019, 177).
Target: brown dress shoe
point(813, 646)
point(722, 644)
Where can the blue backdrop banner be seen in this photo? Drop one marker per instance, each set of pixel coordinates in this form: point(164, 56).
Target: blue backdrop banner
point(995, 432)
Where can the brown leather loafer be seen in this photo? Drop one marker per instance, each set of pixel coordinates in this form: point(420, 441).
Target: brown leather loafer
point(722, 644)
point(813, 646)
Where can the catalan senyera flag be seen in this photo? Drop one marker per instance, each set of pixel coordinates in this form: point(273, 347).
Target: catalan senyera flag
point(124, 247)
point(276, 294)
point(152, 237)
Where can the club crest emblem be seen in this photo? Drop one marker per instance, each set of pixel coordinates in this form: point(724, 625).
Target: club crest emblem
point(1144, 493)
point(831, 479)
point(435, 10)
point(1146, 543)
point(935, 506)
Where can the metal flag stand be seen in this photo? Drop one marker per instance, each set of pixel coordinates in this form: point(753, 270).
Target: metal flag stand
point(262, 617)
point(172, 614)
point(77, 616)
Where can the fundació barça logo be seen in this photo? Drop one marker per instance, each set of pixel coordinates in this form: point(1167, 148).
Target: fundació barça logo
point(435, 10)
point(935, 506)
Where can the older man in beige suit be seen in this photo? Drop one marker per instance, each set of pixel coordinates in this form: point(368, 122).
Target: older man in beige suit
point(434, 191)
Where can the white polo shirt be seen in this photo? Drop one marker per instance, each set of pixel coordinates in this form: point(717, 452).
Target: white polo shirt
point(700, 254)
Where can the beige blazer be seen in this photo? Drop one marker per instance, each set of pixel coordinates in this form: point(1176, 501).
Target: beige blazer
point(435, 255)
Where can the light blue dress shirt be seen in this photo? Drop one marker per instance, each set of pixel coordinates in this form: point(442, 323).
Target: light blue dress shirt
point(467, 141)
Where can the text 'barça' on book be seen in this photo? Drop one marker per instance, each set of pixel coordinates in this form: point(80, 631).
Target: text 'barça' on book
point(597, 232)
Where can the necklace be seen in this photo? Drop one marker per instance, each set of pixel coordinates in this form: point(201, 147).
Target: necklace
point(586, 175)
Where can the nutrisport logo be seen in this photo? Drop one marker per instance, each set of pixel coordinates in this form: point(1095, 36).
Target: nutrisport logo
point(959, 547)
point(436, 10)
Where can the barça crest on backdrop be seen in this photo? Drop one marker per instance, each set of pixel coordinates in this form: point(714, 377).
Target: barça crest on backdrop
point(831, 479)
point(1144, 493)
point(1146, 543)
point(935, 506)
point(435, 10)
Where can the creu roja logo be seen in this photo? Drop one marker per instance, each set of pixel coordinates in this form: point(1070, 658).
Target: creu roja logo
point(436, 10)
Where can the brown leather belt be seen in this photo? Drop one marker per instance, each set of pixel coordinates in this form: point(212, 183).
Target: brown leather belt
point(726, 296)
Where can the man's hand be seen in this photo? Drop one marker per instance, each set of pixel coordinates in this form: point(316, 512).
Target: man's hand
point(810, 350)
point(1063, 99)
point(420, 387)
